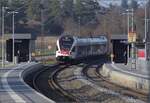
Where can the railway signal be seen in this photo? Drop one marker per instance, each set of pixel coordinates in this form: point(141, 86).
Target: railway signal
point(131, 38)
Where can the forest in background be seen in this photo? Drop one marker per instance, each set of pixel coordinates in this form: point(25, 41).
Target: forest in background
point(75, 17)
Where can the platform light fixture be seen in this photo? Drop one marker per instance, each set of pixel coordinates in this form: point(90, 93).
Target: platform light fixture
point(79, 25)
point(128, 13)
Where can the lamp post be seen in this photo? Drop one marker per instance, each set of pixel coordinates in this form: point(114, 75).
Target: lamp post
point(13, 34)
point(146, 29)
point(79, 25)
point(133, 60)
point(128, 13)
point(42, 33)
point(3, 31)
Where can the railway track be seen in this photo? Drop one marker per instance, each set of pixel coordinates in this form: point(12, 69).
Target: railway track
point(49, 87)
point(126, 91)
point(71, 83)
point(55, 85)
point(92, 73)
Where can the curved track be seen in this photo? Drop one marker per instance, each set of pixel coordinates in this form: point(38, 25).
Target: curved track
point(62, 84)
point(92, 73)
point(55, 85)
point(51, 89)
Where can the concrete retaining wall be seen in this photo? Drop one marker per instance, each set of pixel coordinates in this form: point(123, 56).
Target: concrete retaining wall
point(125, 79)
point(143, 65)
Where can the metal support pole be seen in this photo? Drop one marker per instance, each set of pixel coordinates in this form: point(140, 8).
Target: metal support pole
point(3, 11)
point(132, 20)
point(128, 49)
point(3, 32)
point(79, 23)
point(132, 44)
point(42, 35)
point(30, 51)
point(128, 53)
point(133, 59)
point(145, 31)
point(13, 36)
point(133, 65)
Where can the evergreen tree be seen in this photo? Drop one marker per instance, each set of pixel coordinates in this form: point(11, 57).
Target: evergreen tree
point(86, 11)
point(78, 8)
point(134, 4)
point(3, 3)
point(33, 9)
point(54, 11)
point(54, 15)
point(14, 4)
point(68, 8)
point(124, 4)
point(18, 6)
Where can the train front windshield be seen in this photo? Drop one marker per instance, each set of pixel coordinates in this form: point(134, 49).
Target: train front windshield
point(66, 43)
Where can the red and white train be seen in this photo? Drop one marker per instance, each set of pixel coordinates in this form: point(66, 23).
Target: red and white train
point(72, 47)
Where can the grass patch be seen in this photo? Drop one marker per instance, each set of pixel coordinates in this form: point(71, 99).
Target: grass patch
point(44, 52)
point(50, 62)
point(7, 65)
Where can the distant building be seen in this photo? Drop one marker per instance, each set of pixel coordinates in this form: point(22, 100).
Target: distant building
point(24, 45)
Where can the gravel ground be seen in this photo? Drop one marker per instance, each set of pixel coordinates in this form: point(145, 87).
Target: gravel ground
point(85, 93)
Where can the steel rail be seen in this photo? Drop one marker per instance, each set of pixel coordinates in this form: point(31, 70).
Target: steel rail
point(125, 90)
point(120, 89)
point(54, 83)
point(53, 80)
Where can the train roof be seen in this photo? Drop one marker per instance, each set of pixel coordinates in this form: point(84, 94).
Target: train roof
point(88, 40)
point(92, 40)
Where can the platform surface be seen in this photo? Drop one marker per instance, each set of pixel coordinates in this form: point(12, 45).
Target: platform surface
point(14, 90)
point(130, 71)
point(123, 75)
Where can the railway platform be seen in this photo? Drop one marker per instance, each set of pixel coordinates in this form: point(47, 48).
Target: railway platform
point(123, 75)
point(13, 89)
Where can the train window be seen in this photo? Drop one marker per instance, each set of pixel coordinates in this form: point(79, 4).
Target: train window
point(56, 47)
point(73, 49)
point(66, 43)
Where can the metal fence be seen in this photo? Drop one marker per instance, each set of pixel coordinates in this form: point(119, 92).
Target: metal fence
point(45, 46)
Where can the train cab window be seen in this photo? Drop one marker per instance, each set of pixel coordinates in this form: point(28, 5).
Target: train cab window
point(66, 42)
point(73, 49)
point(56, 47)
